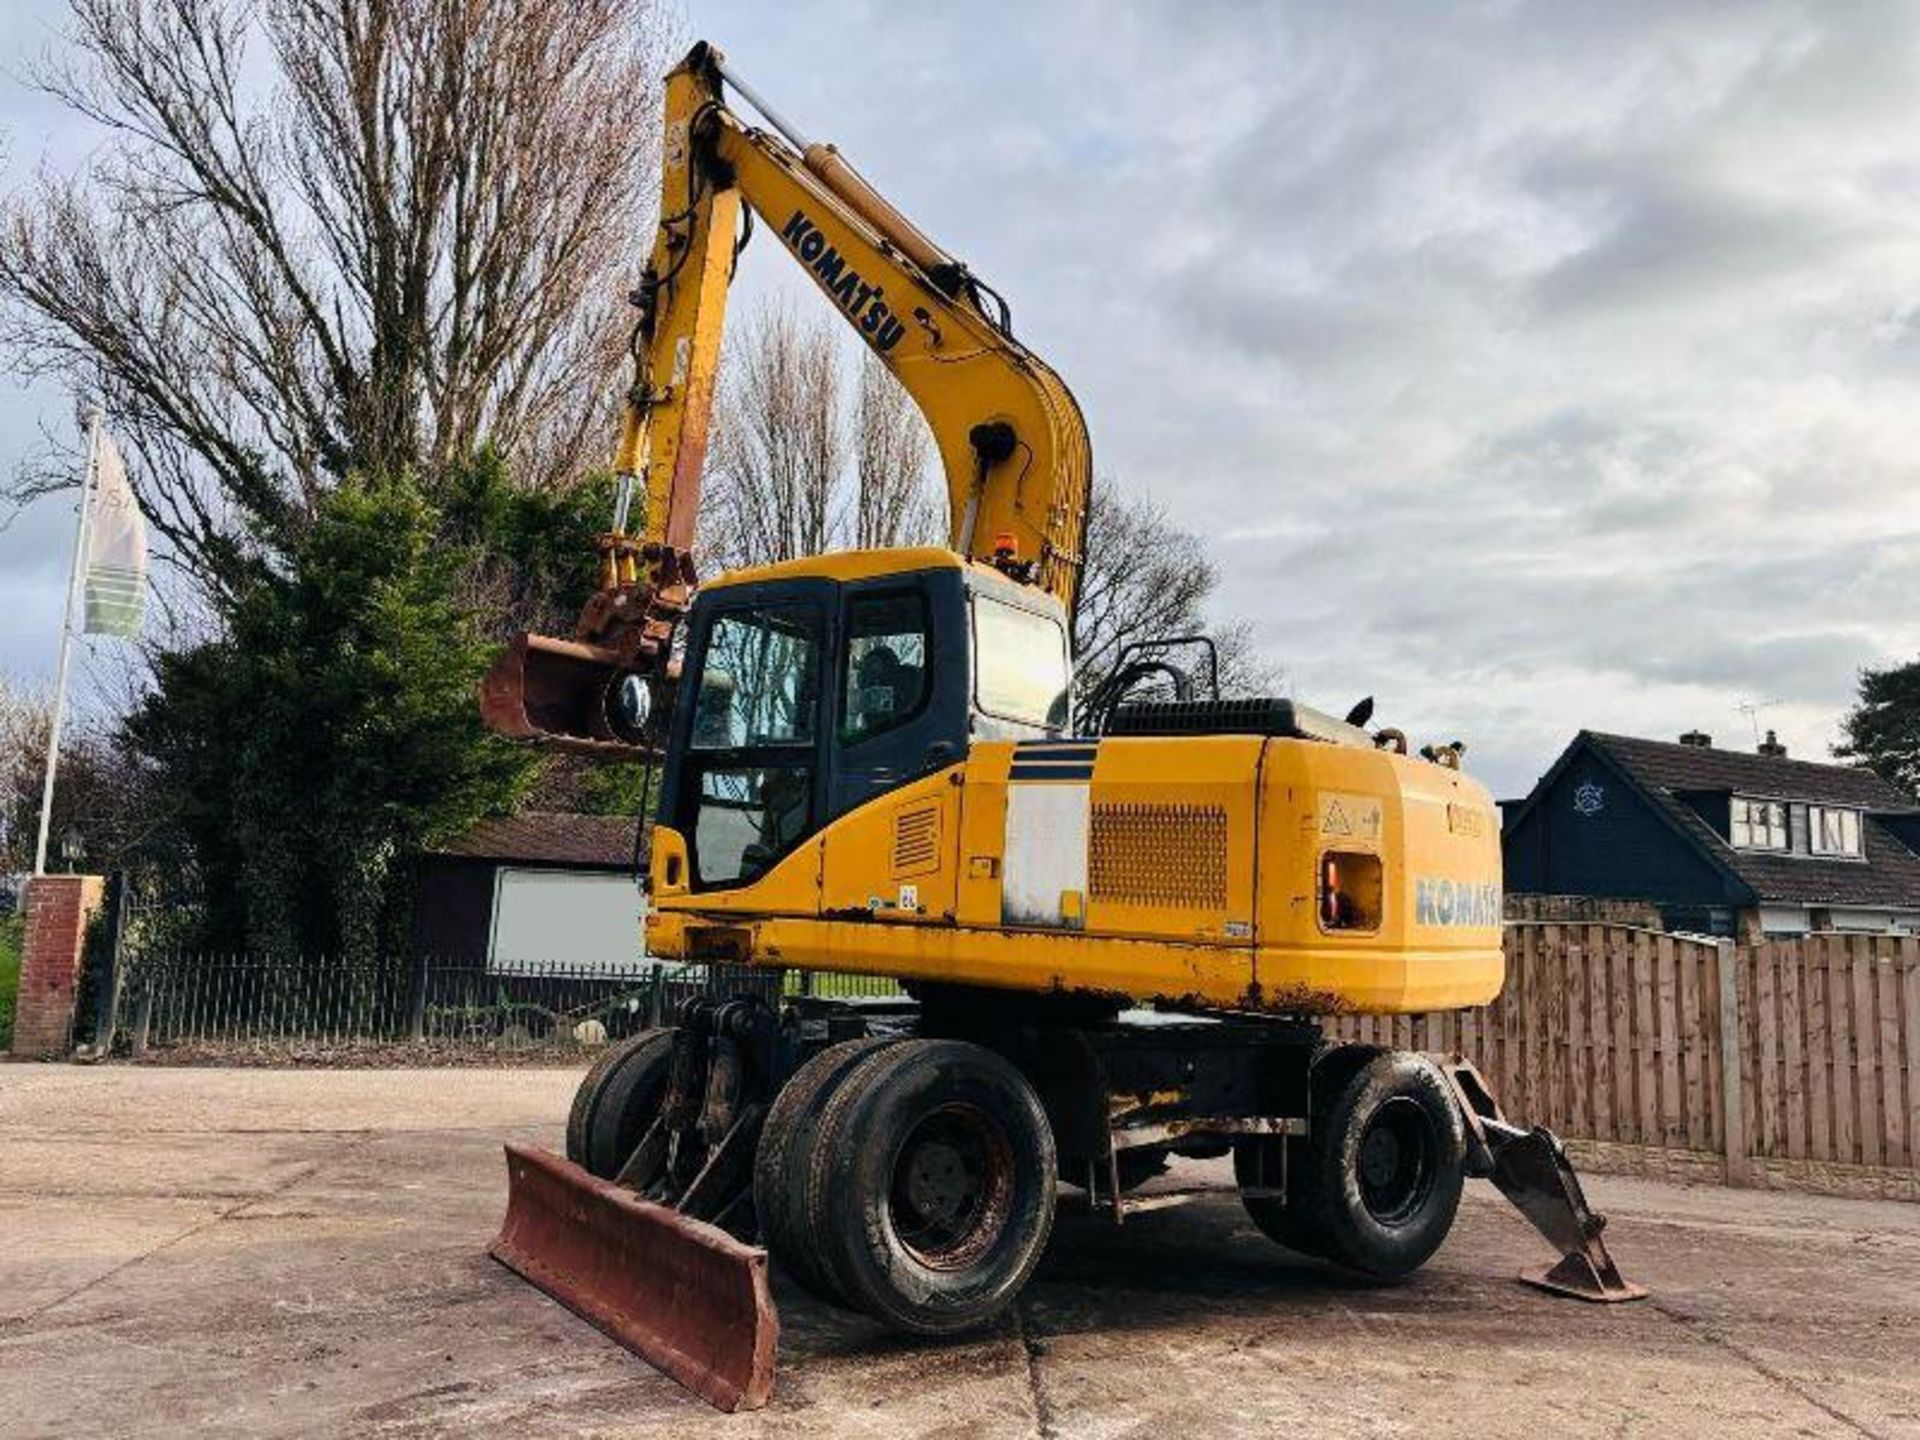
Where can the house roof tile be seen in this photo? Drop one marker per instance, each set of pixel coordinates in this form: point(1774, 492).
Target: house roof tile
point(546, 837)
point(1694, 767)
point(1888, 875)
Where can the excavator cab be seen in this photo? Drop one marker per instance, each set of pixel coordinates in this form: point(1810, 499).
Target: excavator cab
point(810, 688)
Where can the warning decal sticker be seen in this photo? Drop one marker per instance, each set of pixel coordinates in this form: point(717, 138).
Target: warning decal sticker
point(1349, 817)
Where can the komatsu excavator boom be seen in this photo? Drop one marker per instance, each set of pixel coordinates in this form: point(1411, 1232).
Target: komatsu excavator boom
point(1118, 926)
point(1012, 443)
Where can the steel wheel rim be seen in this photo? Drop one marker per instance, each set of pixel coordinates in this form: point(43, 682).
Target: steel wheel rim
point(1397, 1161)
point(950, 1189)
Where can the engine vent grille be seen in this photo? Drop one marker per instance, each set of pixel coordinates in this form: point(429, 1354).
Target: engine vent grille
point(916, 840)
point(1171, 855)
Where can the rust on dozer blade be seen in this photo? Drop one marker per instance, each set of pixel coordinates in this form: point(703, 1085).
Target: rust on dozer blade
point(556, 692)
point(683, 1295)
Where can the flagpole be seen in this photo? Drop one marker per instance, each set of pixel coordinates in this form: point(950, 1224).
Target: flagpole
point(66, 638)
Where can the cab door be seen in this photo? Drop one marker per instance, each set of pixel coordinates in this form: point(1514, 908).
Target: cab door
point(745, 781)
point(899, 696)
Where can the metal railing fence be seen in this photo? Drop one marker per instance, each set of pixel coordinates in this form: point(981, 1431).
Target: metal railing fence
point(190, 1003)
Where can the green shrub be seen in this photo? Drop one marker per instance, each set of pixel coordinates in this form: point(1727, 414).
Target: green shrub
point(10, 928)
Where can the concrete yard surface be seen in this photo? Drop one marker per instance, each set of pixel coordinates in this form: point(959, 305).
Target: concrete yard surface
point(260, 1252)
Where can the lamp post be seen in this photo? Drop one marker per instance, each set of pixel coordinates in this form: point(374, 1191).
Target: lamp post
point(73, 847)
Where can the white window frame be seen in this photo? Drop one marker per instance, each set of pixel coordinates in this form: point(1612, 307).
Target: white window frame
point(1847, 823)
point(1771, 835)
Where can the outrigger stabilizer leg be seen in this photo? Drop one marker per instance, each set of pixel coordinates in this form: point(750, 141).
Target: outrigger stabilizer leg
point(1530, 1167)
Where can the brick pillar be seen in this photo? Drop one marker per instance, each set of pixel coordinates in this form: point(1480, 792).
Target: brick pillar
point(58, 909)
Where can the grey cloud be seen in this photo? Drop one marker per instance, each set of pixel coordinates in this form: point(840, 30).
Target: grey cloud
point(1534, 365)
point(1677, 238)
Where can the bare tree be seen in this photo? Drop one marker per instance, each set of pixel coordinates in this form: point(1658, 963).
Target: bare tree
point(793, 469)
point(894, 503)
point(402, 236)
point(779, 442)
point(1147, 579)
point(792, 473)
point(99, 790)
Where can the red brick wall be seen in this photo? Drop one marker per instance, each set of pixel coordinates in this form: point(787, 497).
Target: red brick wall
point(58, 909)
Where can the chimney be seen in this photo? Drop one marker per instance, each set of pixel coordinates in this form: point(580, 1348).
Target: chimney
point(1771, 746)
point(1698, 739)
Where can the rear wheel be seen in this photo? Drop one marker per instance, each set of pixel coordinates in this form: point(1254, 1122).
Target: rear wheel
point(1376, 1184)
point(1285, 1162)
point(783, 1158)
point(933, 1189)
point(616, 1102)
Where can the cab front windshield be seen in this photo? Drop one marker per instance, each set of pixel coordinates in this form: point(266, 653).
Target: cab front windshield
point(755, 712)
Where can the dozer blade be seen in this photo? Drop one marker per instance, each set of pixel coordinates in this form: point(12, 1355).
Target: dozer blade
point(1530, 1167)
point(684, 1296)
point(555, 692)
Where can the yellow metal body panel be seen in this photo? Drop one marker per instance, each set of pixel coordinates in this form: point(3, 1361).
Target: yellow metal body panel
point(663, 439)
point(1176, 869)
point(844, 565)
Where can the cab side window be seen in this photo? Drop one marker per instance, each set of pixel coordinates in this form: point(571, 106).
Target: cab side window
point(885, 683)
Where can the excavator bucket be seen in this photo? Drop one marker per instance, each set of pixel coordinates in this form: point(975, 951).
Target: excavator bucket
point(556, 692)
point(1530, 1167)
point(683, 1295)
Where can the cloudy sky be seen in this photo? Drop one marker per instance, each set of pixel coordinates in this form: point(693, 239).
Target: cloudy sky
point(1531, 367)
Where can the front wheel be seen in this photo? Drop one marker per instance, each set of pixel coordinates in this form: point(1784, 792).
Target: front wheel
point(937, 1165)
point(616, 1102)
point(785, 1154)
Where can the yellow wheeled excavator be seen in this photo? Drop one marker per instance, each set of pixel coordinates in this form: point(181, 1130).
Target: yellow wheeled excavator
point(1118, 922)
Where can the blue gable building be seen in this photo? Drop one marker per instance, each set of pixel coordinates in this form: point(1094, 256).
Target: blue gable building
point(1720, 842)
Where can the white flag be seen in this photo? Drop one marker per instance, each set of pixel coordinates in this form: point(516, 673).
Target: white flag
point(116, 549)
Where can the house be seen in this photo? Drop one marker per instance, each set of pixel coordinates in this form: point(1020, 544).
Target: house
point(1723, 842)
point(531, 893)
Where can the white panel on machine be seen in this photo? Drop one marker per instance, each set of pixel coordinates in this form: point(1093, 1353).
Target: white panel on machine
point(547, 918)
point(1046, 855)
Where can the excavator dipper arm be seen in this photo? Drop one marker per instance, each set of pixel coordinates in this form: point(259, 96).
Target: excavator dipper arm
point(1012, 443)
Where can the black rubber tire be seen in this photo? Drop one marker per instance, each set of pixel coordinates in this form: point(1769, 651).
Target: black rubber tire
point(1256, 1159)
point(944, 1096)
point(616, 1102)
point(586, 1095)
point(1384, 1217)
point(782, 1159)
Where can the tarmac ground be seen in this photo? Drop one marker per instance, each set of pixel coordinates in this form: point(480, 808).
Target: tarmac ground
point(291, 1253)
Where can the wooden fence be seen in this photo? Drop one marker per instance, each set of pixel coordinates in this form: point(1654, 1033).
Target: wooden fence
point(1614, 1036)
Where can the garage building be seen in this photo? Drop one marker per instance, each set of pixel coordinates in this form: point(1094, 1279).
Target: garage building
point(534, 892)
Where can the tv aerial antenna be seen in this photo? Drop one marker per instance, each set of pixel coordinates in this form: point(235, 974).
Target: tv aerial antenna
point(1754, 709)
